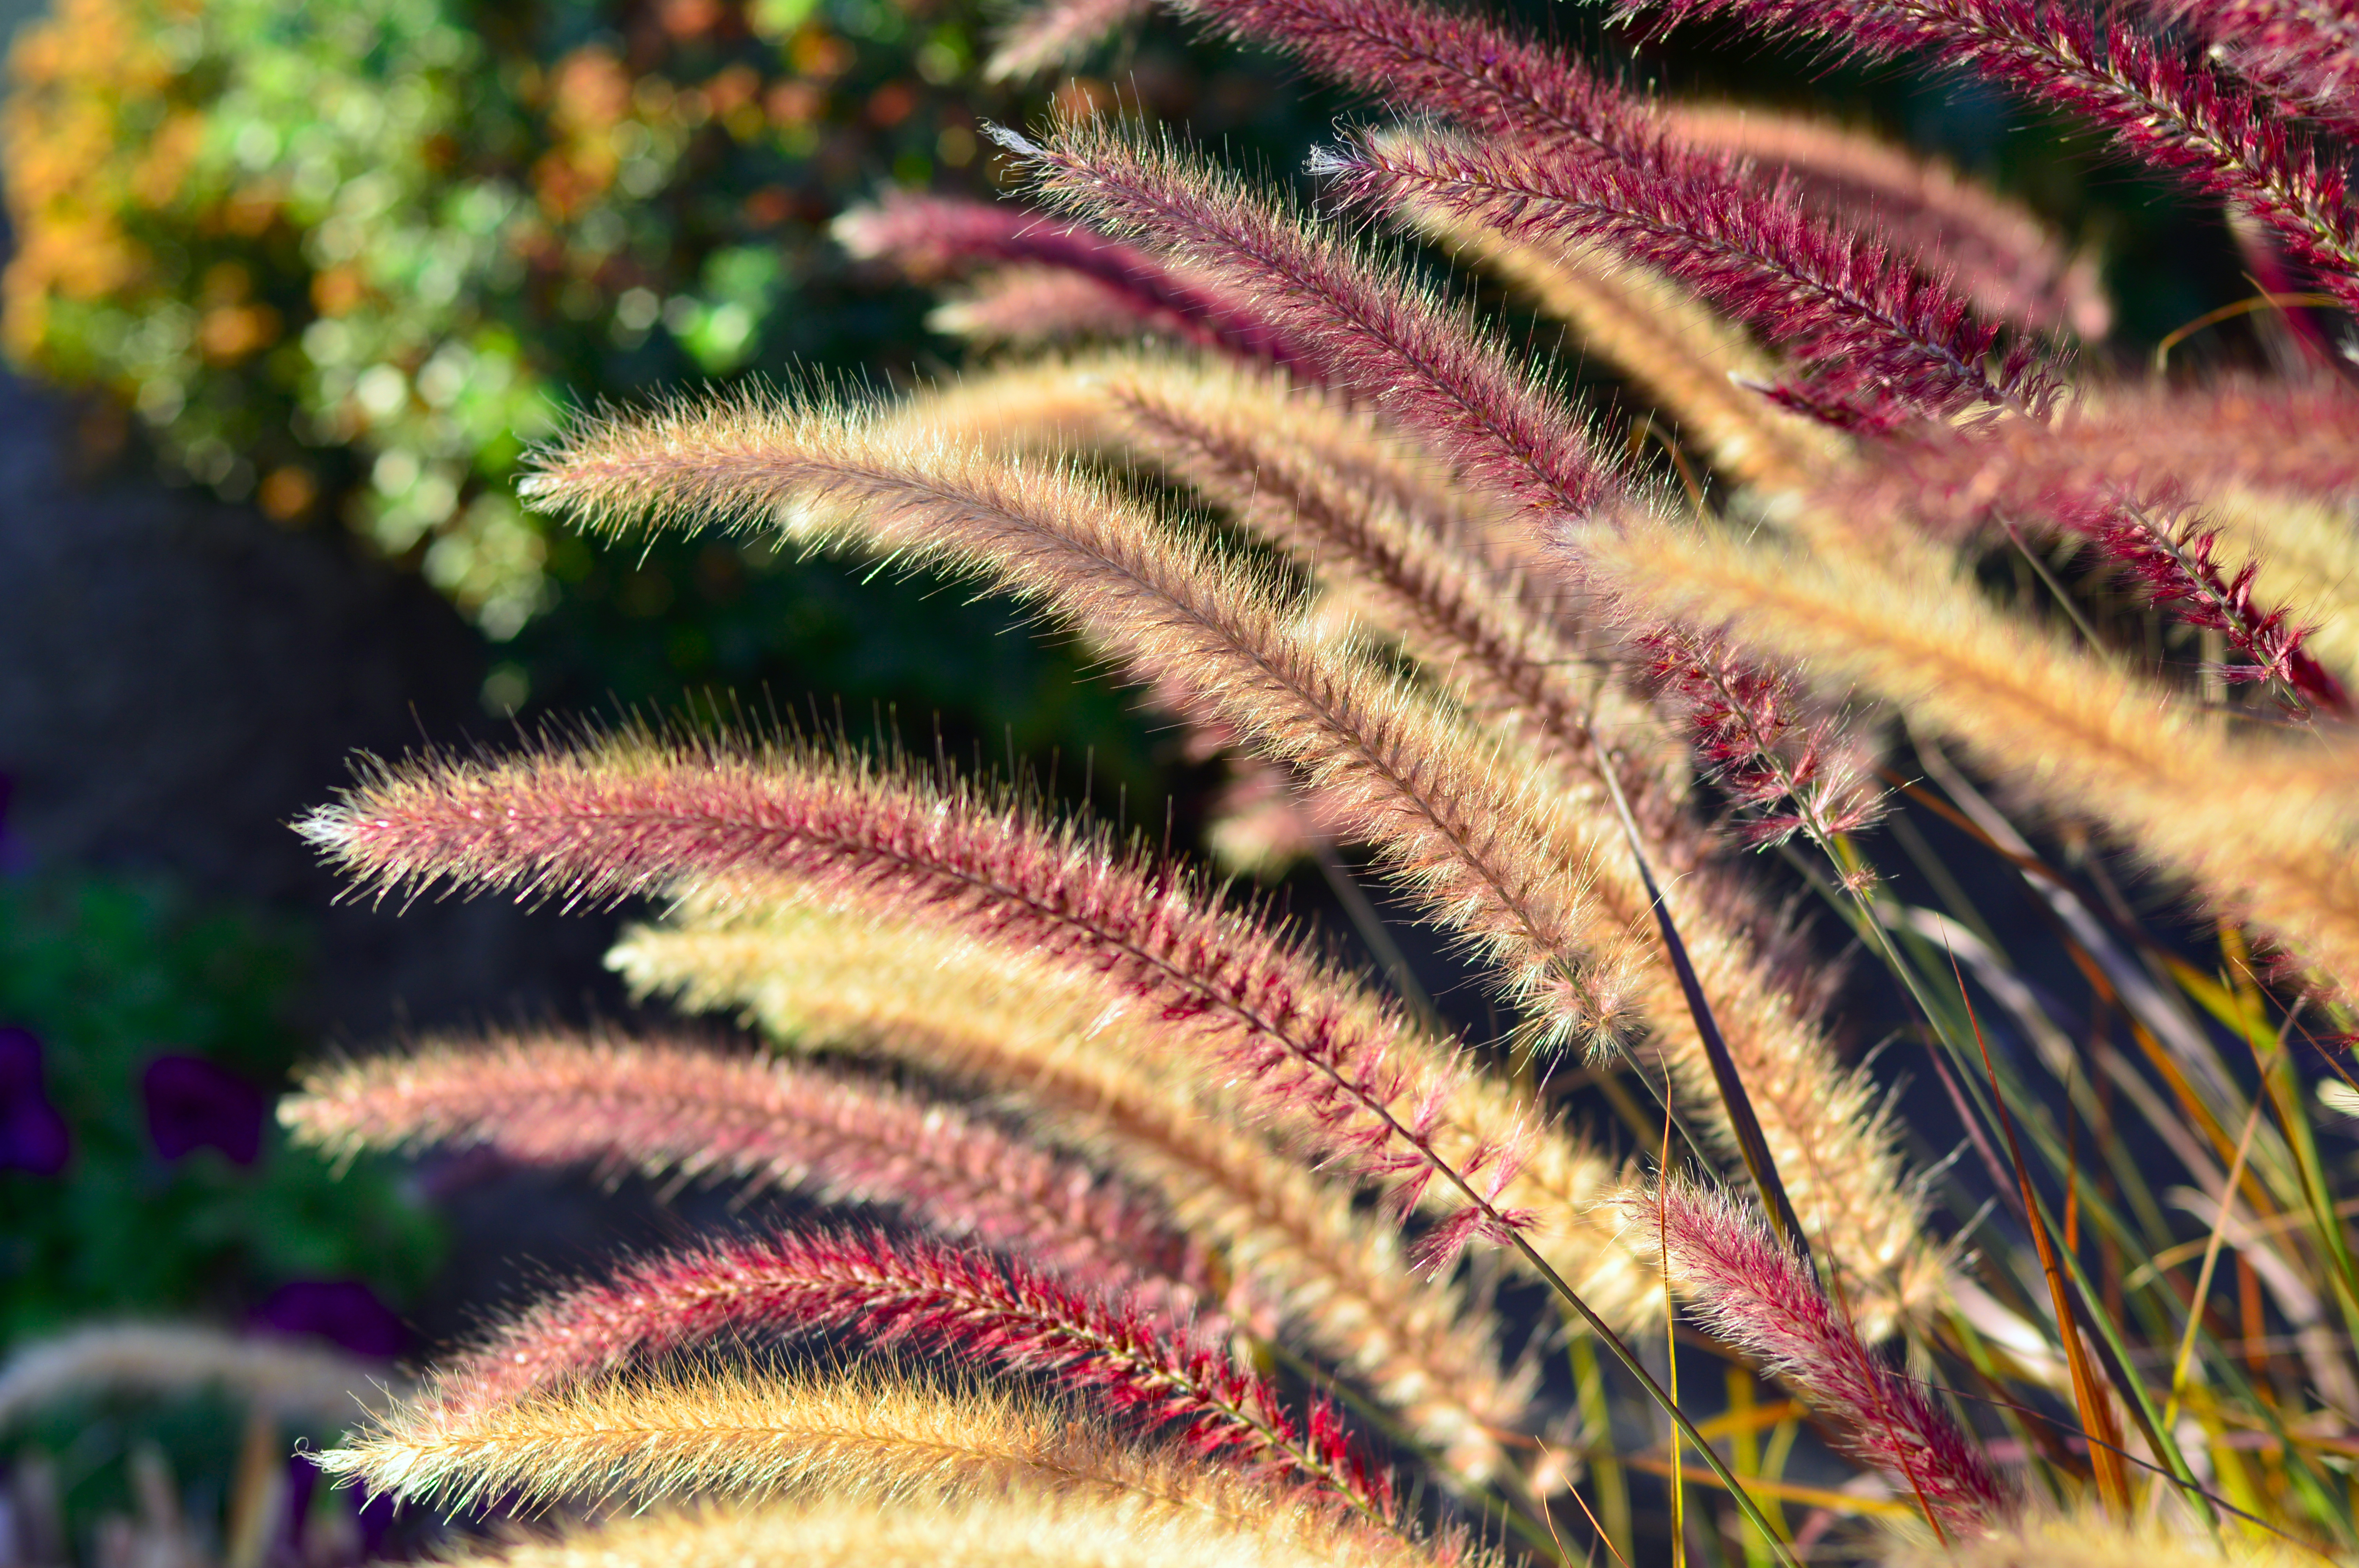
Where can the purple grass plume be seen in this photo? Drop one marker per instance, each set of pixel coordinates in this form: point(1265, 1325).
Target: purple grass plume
point(929, 236)
point(2162, 108)
point(1786, 760)
point(1869, 334)
point(2303, 53)
point(2118, 478)
point(2005, 262)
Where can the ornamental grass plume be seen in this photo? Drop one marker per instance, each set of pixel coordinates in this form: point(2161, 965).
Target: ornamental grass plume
point(1026, 307)
point(1295, 1251)
point(1876, 341)
point(1694, 365)
point(1446, 804)
point(2076, 733)
point(1759, 1297)
point(1046, 36)
point(661, 1106)
point(929, 236)
point(1364, 327)
point(2172, 113)
point(2012, 266)
point(1303, 1264)
point(2306, 57)
point(868, 1435)
point(2139, 519)
point(1533, 867)
point(1019, 1529)
point(946, 1300)
point(634, 816)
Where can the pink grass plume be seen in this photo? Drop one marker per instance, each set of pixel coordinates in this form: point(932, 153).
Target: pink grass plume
point(2299, 436)
point(2164, 548)
point(1041, 37)
point(697, 1110)
point(1453, 63)
point(1758, 1297)
point(1784, 758)
point(2120, 487)
point(2303, 53)
point(1583, 157)
point(1154, 1368)
point(1996, 253)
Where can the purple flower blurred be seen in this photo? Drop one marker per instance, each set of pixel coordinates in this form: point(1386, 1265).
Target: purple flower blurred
point(33, 1136)
point(344, 1311)
point(192, 1104)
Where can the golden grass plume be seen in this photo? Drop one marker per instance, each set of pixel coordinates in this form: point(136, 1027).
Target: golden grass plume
point(2262, 828)
point(1016, 1530)
point(748, 1432)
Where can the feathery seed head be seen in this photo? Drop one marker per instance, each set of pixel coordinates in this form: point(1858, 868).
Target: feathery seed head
point(2001, 257)
point(2259, 828)
point(1029, 307)
point(1114, 1083)
point(932, 235)
point(863, 1436)
point(2135, 512)
point(2304, 56)
point(1041, 37)
point(1866, 332)
point(1453, 63)
point(1698, 367)
point(964, 1303)
point(656, 1105)
point(1071, 1527)
point(1755, 732)
point(1540, 879)
point(2169, 111)
point(1457, 819)
point(1362, 328)
point(631, 818)
point(1760, 1297)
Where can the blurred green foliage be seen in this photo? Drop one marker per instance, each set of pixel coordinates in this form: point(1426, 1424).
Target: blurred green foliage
point(357, 255)
point(109, 975)
point(350, 260)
